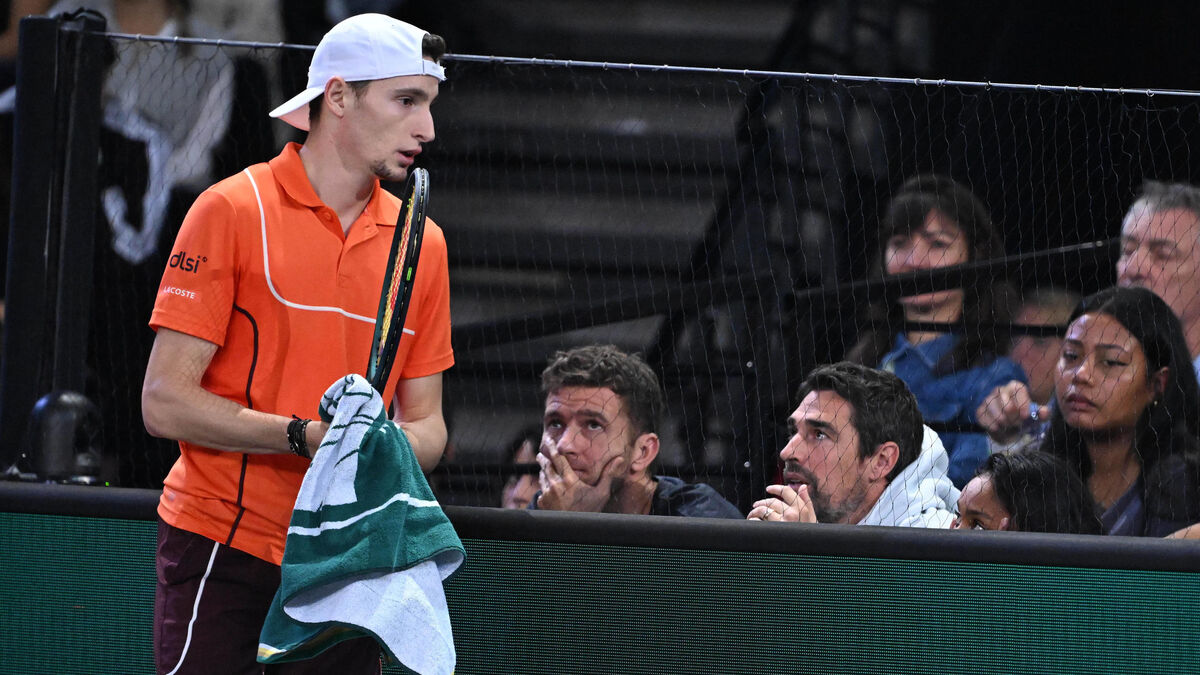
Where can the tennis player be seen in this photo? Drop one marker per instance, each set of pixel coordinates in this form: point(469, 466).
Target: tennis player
point(269, 297)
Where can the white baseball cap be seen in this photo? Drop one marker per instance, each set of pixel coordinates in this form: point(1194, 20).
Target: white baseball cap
point(362, 47)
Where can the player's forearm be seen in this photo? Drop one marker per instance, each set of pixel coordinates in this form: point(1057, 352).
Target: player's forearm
point(418, 410)
point(202, 418)
point(428, 436)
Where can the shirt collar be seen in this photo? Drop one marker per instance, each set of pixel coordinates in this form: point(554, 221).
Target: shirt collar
point(381, 210)
point(289, 171)
point(931, 351)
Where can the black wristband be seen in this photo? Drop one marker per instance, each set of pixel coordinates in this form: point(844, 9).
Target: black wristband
point(297, 439)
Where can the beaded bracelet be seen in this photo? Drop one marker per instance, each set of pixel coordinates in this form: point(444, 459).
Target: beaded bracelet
point(297, 439)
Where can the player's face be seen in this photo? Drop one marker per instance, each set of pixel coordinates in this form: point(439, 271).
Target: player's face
point(589, 427)
point(823, 454)
point(939, 242)
point(388, 122)
point(1159, 251)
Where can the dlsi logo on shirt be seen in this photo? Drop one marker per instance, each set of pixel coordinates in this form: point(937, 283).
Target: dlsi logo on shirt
point(186, 263)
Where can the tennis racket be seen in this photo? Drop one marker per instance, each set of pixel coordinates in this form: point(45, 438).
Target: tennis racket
point(398, 279)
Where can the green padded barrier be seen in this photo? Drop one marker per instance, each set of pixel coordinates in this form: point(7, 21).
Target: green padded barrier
point(76, 596)
point(570, 608)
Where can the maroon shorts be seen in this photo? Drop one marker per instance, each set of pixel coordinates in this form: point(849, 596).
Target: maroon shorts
point(209, 607)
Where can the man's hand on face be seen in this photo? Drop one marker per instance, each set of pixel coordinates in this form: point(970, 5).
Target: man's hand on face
point(564, 490)
point(787, 505)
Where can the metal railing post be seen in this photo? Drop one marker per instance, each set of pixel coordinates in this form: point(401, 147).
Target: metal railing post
point(51, 223)
point(26, 329)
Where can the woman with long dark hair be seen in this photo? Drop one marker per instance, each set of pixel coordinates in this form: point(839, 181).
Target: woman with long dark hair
point(1127, 409)
point(934, 222)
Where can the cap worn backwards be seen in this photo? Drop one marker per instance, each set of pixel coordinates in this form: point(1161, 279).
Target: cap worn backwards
point(360, 48)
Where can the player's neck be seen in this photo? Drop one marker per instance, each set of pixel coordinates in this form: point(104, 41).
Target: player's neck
point(342, 188)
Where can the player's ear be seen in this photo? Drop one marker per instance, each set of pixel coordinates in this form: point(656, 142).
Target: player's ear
point(337, 96)
point(645, 449)
point(883, 461)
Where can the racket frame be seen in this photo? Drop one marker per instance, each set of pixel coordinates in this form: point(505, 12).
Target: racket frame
point(383, 349)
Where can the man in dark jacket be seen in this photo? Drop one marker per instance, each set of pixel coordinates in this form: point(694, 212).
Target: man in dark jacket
point(600, 440)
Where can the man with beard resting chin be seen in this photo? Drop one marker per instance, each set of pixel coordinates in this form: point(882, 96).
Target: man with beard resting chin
point(859, 454)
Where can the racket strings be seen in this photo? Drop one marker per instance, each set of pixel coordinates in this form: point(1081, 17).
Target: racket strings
point(398, 275)
point(398, 285)
point(401, 273)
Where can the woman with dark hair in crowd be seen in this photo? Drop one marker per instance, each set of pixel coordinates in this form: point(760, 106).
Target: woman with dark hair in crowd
point(1027, 492)
point(934, 222)
point(1127, 409)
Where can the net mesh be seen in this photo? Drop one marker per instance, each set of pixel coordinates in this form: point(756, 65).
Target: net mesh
point(721, 224)
point(176, 118)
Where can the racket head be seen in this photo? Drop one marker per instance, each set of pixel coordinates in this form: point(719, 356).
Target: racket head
point(398, 279)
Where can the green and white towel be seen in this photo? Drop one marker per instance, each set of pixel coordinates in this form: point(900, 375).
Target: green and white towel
point(368, 547)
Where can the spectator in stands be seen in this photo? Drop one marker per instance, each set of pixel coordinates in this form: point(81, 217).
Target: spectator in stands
point(260, 21)
point(1027, 492)
point(1127, 410)
point(600, 440)
point(934, 222)
point(176, 98)
point(1037, 355)
point(1160, 250)
point(520, 488)
point(859, 454)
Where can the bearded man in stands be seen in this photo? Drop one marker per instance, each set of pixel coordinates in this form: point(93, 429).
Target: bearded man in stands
point(859, 454)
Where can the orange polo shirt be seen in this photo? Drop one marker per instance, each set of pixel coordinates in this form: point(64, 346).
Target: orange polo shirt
point(262, 269)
